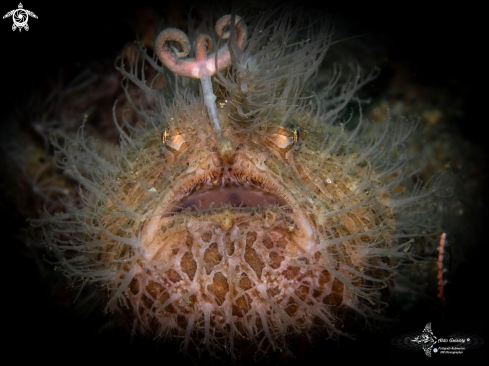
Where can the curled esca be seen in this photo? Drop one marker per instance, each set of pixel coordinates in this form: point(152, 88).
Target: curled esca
point(203, 64)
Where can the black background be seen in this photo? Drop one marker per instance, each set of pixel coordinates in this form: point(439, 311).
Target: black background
point(444, 46)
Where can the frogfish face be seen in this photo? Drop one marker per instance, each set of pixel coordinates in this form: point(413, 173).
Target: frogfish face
point(255, 236)
point(282, 224)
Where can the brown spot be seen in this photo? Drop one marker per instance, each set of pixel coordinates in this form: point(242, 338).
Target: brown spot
point(291, 307)
point(318, 321)
point(276, 259)
point(317, 294)
point(245, 282)
point(291, 272)
point(253, 259)
point(335, 298)
point(267, 242)
point(250, 238)
point(182, 322)
point(281, 243)
point(173, 276)
point(259, 324)
point(207, 236)
point(212, 258)
point(272, 292)
point(134, 286)
point(365, 239)
point(189, 241)
point(243, 305)
point(171, 309)
point(126, 267)
point(154, 289)
point(356, 220)
point(219, 287)
point(229, 244)
point(123, 250)
point(147, 302)
point(188, 265)
point(163, 298)
point(324, 278)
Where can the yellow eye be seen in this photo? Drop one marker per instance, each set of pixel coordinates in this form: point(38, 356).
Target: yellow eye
point(283, 139)
point(173, 140)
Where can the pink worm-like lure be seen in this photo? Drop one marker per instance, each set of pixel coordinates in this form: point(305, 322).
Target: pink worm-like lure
point(202, 66)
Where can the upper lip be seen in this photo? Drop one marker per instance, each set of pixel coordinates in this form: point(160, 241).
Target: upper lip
point(225, 187)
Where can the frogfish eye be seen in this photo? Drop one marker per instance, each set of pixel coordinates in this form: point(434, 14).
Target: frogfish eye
point(282, 139)
point(173, 139)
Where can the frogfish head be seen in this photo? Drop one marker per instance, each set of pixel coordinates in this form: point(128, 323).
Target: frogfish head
point(282, 223)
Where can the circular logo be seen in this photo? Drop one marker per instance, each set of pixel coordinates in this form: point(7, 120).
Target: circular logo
point(20, 17)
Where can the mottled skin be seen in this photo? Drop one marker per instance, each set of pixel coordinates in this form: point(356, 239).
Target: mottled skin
point(221, 276)
point(280, 225)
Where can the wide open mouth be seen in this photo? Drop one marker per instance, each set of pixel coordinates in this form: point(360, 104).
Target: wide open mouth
point(236, 190)
point(227, 197)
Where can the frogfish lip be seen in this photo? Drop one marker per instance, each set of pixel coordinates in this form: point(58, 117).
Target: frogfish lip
point(227, 196)
point(230, 192)
point(209, 190)
point(215, 184)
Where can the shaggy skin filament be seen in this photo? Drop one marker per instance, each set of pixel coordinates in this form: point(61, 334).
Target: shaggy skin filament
point(283, 225)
